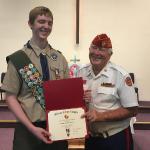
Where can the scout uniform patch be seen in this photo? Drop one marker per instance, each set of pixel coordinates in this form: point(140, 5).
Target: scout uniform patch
point(54, 56)
point(128, 81)
point(29, 73)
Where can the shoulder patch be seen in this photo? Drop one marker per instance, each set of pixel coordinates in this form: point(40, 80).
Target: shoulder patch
point(59, 51)
point(128, 81)
point(54, 56)
point(84, 66)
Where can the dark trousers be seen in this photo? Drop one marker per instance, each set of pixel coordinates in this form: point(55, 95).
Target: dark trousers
point(120, 141)
point(25, 140)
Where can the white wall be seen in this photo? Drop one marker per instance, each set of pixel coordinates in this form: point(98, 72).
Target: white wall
point(125, 21)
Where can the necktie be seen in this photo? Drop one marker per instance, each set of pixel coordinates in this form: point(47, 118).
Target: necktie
point(44, 65)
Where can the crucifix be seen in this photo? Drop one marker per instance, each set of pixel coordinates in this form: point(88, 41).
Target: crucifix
point(77, 20)
point(74, 60)
point(74, 68)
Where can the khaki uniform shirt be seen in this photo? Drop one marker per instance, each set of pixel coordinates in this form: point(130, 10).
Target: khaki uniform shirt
point(111, 89)
point(13, 84)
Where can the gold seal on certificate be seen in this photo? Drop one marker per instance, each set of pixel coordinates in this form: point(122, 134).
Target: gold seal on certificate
point(66, 124)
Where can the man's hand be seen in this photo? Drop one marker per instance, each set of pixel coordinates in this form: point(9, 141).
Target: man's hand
point(16, 108)
point(42, 134)
point(110, 115)
point(93, 115)
point(87, 96)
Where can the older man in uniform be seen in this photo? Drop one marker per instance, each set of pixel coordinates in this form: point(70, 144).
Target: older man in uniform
point(27, 69)
point(110, 98)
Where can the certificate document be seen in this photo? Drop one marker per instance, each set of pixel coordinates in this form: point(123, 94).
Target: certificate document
point(66, 124)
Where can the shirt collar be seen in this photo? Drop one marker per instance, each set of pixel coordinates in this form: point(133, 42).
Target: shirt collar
point(37, 50)
point(105, 71)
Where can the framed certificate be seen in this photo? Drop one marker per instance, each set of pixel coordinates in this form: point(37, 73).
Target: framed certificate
point(64, 107)
point(67, 124)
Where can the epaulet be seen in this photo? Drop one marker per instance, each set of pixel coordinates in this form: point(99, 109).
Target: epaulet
point(84, 66)
point(59, 51)
point(120, 69)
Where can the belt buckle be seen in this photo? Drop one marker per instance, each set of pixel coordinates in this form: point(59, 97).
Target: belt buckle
point(102, 135)
point(97, 135)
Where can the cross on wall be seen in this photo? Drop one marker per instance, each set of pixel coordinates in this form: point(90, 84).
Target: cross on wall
point(74, 60)
point(77, 20)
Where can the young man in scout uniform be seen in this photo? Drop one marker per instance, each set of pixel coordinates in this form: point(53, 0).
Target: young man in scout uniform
point(27, 68)
point(110, 97)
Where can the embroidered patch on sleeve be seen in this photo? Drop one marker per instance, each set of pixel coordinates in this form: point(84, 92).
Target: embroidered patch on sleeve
point(128, 81)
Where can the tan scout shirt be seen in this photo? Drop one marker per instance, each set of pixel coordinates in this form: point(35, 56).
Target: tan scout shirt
point(13, 84)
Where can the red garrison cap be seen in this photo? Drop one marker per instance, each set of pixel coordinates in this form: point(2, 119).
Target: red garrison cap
point(102, 41)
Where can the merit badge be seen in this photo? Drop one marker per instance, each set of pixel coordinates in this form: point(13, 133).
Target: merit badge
point(30, 66)
point(34, 80)
point(54, 56)
point(26, 68)
point(128, 81)
point(21, 71)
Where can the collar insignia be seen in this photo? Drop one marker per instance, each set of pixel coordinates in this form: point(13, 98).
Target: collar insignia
point(54, 56)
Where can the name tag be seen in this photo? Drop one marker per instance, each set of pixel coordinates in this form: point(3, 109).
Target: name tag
point(106, 90)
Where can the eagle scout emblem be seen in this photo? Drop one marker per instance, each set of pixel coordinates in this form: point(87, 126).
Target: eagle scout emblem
point(54, 56)
point(128, 81)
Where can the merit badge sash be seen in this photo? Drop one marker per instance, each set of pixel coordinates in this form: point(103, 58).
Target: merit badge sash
point(29, 73)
